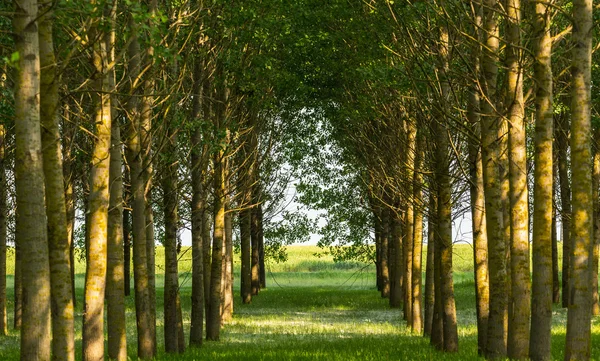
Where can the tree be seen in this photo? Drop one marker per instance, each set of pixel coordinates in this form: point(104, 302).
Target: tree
point(518, 322)
point(172, 302)
point(213, 317)
point(63, 340)
point(478, 218)
point(490, 133)
point(31, 231)
point(98, 199)
point(543, 225)
point(145, 339)
point(444, 203)
point(115, 273)
point(578, 346)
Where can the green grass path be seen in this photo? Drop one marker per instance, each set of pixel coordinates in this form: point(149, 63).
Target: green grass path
point(314, 309)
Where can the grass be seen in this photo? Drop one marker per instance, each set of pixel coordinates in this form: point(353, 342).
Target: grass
point(314, 309)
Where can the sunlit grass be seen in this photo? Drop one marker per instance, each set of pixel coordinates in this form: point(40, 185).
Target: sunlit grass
point(314, 309)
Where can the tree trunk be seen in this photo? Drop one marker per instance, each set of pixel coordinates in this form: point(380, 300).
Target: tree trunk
point(562, 143)
point(146, 115)
point(255, 280)
point(496, 341)
point(127, 251)
point(68, 134)
point(520, 299)
point(31, 233)
point(417, 322)
point(391, 253)
point(199, 194)
point(213, 316)
point(115, 277)
point(246, 275)
point(18, 286)
point(170, 201)
point(437, 326)
point(377, 232)
point(262, 275)
point(63, 333)
point(228, 266)
point(578, 346)
point(396, 267)
point(206, 253)
point(444, 203)
point(145, 340)
point(385, 235)
point(429, 268)
point(407, 245)
point(98, 201)
point(213, 319)
point(478, 221)
point(198, 205)
point(555, 278)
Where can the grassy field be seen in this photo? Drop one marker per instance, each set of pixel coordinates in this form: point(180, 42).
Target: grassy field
point(314, 309)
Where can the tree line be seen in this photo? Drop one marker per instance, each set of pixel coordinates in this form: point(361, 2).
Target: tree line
point(146, 117)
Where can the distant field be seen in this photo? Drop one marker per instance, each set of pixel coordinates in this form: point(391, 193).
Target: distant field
point(300, 259)
point(314, 309)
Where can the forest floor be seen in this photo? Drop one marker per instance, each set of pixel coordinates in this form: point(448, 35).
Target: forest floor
point(314, 309)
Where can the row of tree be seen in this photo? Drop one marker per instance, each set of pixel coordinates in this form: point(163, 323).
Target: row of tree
point(457, 114)
point(125, 123)
point(197, 114)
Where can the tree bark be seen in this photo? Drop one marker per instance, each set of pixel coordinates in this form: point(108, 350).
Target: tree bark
point(520, 299)
point(68, 134)
point(145, 340)
point(407, 245)
point(228, 266)
point(496, 341)
point(578, 346)
point(146, 115)
point(18, 286)
point(543, 225)
point(31, 232)
point(127, 251)
point(429, 268)
point(377, 232)
point(396, 267)
point(254, 235)
point(98, 201)
point(262, 275)
point(213, 316)
point(385, 235)
point(63, 333)
point(562, 143)
point(417, 321)
point(444, 203)
point(198, 164)
point(437, 326)
point(213, 320)
point(206, 253)
point(478, 221)
point(115, 277)
point(170, 201)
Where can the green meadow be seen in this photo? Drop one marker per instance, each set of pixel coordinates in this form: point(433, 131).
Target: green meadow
point(313, 309)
